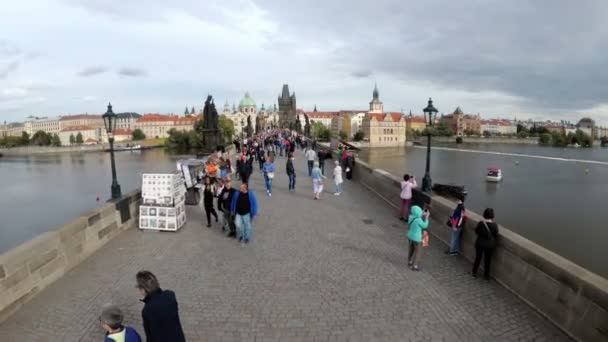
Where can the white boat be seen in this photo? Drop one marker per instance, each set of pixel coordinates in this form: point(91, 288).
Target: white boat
point(494, 174)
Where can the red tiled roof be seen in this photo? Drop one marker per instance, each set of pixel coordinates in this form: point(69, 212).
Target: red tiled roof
point(91, 140)
point(123, 131)
point(156, 118)
point(382, 116)
point(322, 115)
point(80, 117)
point(77, 128)
point(419, 119)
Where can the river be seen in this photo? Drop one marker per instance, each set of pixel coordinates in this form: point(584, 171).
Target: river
point(554, 197)
point(41, 192)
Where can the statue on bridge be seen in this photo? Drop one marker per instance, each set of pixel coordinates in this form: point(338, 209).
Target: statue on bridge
point(210, 129)
point(306, 126)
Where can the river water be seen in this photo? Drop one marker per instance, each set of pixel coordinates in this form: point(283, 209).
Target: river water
point(554, 197)
point(38, 193)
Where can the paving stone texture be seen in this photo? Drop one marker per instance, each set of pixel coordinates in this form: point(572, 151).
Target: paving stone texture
point(328, 270)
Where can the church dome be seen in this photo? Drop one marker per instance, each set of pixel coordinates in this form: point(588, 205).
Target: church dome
point(247, 101)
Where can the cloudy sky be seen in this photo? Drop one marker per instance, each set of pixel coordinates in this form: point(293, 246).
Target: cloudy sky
point(541, 59)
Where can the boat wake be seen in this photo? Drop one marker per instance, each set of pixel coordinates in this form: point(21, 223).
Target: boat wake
point(597, 162)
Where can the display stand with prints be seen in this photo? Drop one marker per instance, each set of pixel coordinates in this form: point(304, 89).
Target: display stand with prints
point(163, 201)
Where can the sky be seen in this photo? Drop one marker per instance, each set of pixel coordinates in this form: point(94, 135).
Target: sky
point(542, 59)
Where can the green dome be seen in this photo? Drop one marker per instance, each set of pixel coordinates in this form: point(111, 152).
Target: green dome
point(247, 101)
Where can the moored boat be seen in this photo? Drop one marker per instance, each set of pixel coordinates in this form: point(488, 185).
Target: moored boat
point(494, 174)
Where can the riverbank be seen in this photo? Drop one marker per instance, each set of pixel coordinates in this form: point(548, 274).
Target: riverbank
point(481, 140)
point(30, 150)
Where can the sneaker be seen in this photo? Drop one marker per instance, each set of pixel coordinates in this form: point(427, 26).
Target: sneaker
point(247, 241)
point(453, 254)
point(474, 275)
point(415, 268)
point(410, 263)
point(336, 194)
point(270, 194)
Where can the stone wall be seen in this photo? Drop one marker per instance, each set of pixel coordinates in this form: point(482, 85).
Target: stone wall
point(481, 140)
point(27, 269)
point(570, 296)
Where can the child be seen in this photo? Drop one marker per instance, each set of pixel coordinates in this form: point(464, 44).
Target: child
point(111, 321)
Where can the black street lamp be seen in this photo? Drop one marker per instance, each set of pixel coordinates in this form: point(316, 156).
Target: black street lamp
point(430, 112)
point(109, 120)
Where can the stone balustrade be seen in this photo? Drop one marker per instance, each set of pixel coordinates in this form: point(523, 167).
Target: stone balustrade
point(27, 269)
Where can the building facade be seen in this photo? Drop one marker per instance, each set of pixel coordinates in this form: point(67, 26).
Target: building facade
point(415, 123)
point(460, 122)
point(35, 124)
point(498, 127)
point(324, 118)
point(287, 108)
point(384, 129)
point(126, 120)
point(156, 126)
point(94, 121)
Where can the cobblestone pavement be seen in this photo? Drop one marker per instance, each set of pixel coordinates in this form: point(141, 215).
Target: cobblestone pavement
point(328, 270)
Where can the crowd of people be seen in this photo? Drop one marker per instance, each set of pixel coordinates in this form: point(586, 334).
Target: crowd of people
point(238, 208)
point(417, 219)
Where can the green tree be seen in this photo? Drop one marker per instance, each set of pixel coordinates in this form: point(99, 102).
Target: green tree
point(343, 135)
point(487, 134)
point(320, 132)
point(79, 138)
point(138, 134)
point(544, 139)
point(226, 127)
point(359, 136)
point(41, 138)
point(72, 139)
point(522, 134)
point(55, 141)
point(25, 138)
point(468, 132)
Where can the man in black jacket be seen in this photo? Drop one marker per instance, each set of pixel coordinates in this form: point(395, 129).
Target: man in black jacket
point(160, 313)
point(226, 198)
point(291, 173)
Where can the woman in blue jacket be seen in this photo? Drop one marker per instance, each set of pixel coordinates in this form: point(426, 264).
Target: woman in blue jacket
point(268, 170)
point(245, 208)
point(418, 221)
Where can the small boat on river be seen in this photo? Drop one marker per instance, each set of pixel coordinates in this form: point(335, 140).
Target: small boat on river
point(128, 148)
point(494, 175)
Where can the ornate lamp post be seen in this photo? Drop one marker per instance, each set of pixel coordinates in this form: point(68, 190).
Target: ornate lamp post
point(430, 112)
point(109, 120)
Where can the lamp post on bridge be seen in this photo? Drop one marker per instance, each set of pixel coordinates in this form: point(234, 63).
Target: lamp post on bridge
point(430, 112)
point(109, 120)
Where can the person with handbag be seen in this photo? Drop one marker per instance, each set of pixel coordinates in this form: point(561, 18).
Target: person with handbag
point(487, 233)
point(455, 223)
point(418, 223)
point(268, 170)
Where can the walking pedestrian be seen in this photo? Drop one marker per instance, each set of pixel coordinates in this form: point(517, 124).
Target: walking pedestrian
point(208, 195)
point(244, 207)
point(161, 312)
point(244, 169)
point(226, 198)
point(456, 222)
point(350, 164)
point(407, 184)
point(487, 233)
point(338, 181)
point(261, 157)
point(268, 171)
point(310, 158)
point(418, 222)
point(321, 155)
point(291, 173)
point(111, 321)
point(317, 180)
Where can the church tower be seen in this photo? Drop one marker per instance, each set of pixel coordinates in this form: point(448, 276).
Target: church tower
point(226, 108)
point(287, 108)
point(376, 106)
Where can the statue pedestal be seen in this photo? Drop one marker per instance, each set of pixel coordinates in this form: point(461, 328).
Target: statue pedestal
point(211, 139)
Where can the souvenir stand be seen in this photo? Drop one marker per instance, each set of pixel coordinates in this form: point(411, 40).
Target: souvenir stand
point(163, 201)
point(193, 171)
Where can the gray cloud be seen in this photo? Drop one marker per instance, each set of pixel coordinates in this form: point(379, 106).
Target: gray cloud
point(132, 72)
point(92, 71)
point(7, 68)
point(361, 73)
point(549, 53)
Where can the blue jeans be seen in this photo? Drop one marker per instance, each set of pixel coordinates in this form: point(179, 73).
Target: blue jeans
point(455, 241)
point(292, 181)
point(268, 183)
point(243, 226)
point(338, 187)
